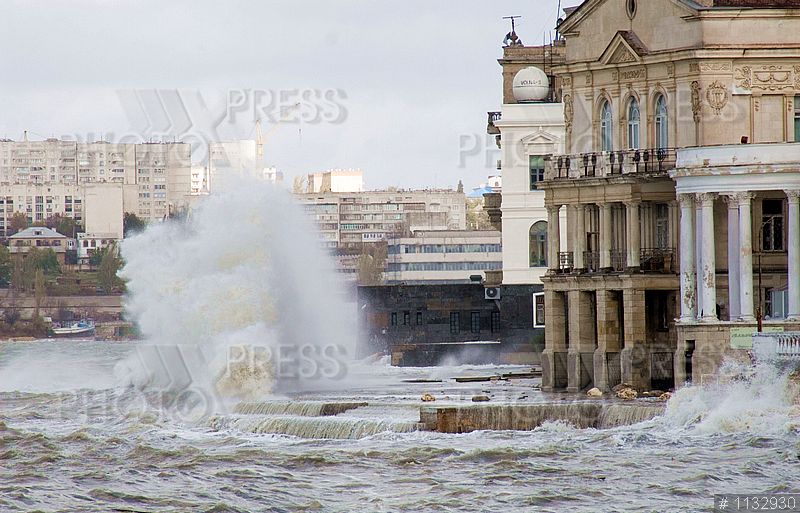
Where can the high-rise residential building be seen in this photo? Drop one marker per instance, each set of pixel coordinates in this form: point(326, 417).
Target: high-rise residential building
point(154, 178)
point(351, 219)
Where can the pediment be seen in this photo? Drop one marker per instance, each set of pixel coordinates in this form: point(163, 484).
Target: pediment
point(540, 138)
point(625, 48)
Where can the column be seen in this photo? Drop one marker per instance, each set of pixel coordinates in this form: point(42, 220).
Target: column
point(733, 257)
point(673, 225)
point(745, 257)
point(605, 236)
point(634, 241)
point(579, 244)
point(707, 270)
point(794, 254)
point(688, 273)
point(698, 257)
point(553, 237)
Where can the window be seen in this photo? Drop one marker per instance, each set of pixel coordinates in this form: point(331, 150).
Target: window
point(630, 7)
point(775, 303)
point(606, 127)
point(455, 322)
point(538, 244)
point(419, 318)
point(772, 225)
point(394, 318)
point(634, 119)
point(536, 165)
point(495, 322)
point(797, 118)
point(662, 123)
point(538, 310)
point(662, 226)
point(406, 318)
point(475, 322)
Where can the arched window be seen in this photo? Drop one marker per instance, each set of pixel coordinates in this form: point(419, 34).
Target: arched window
point(662, 122)
point(606, 127)
point(538, 244)
point(634, 118)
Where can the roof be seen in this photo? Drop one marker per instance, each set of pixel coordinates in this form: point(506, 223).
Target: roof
point(478, 193)
point(37, 232)
point(700, 5)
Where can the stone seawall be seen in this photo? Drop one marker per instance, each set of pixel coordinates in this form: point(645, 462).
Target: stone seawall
point(526, 417)
point(96, 307)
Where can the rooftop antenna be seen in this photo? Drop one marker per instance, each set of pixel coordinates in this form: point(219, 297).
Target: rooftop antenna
point(511, 38)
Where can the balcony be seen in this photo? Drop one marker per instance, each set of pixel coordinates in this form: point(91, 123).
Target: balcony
point(565, 262)
point(490, 128)
point(609, 164)
point(658, 260)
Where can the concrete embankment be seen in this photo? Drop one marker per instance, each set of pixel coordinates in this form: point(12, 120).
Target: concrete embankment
point(526, 417)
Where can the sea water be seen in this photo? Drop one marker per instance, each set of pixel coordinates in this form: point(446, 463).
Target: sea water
point(201, 417)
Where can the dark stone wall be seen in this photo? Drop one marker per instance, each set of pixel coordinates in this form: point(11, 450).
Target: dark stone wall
point(422, 315)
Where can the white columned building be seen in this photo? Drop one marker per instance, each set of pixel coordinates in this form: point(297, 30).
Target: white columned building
point(738, 173)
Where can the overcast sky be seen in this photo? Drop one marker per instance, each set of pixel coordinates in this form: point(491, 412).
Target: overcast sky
point(397, 88)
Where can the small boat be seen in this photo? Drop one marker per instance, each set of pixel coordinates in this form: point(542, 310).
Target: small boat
point(82, 328)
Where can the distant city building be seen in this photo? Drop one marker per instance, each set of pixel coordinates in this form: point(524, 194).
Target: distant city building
point(229, 161)
point(336, 180)
point(155, 177)
point(95, 207)
point(39, 237)
point(200, 180)
point(87, 244)
point(348, 220)
point(451, 256)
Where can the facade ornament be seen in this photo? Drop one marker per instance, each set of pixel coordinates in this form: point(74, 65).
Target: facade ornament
point(797, 77)
point(793, 195)
point(706, 198)
point(697, 103)
point(744, 77)
point(686, 200)
point(744, 198)
point(717, 96)
point(670, 70)
point(569, 112)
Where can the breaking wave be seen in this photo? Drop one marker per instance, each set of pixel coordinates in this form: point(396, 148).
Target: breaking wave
point(226, 295)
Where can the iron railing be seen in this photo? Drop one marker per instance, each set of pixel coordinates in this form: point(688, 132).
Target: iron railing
point(492, 117)
point(619, 260)
point(566, 261)
point(591, 260)
point(606, 164)
point(657, 260)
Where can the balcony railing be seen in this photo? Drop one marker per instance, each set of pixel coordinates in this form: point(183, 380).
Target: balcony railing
point(619, 260)
point(777, 346)
point(606, 164)
point(490, 128)
point(566, 261)
point(657, 260)
point(591, 259)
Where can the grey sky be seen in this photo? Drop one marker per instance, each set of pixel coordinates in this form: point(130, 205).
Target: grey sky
point(418, 75)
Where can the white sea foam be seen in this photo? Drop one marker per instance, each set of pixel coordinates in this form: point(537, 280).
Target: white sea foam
point(239, 296)
point(759, 399)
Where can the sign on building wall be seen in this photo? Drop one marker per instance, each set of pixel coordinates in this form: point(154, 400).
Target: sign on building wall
point(742, 338)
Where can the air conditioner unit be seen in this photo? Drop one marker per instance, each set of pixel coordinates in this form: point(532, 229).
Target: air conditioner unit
point(491, 293)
